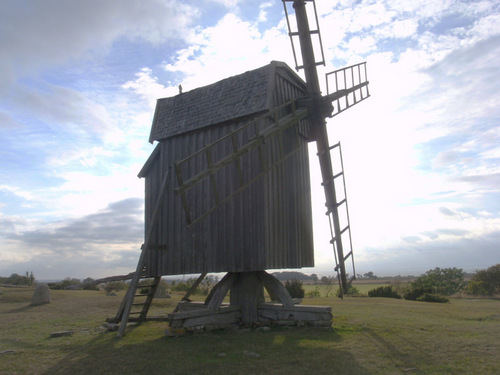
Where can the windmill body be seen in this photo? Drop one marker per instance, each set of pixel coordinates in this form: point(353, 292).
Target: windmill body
point(228, 189)
point(266, 225)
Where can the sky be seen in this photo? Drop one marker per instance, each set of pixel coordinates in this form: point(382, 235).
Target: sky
point(78, 87)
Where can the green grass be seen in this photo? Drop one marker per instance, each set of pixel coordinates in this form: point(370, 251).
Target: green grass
point(369, 336)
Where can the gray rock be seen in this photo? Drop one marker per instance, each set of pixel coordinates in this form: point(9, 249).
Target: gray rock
point(41, 295)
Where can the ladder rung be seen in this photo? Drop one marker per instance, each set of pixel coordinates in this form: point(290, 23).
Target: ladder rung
point(341, 233)
point(138, 304)
point(146, 286)
point(316, 63)
point(338, 175)
point(135, 312)
point(333, 146)
point(296, 33)
point(345, 258)
point(348, 255)
point(341, 202)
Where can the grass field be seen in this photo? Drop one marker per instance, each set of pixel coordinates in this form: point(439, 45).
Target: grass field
point(368, 336)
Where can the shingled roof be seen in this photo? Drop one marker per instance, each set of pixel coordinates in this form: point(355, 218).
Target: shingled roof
point(229, 99)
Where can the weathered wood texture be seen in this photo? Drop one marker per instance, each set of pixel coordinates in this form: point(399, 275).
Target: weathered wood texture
point(247, 305)
point(268, 225)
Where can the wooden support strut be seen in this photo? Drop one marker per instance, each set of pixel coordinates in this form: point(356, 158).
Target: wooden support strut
point(129, 296)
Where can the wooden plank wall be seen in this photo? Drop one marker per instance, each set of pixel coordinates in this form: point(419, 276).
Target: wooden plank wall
point(266, 226)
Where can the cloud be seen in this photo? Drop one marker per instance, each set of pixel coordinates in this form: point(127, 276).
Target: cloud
point(230, 47)
point(16, 191)
point(120, 222)
point(147, 87)
point(64, 110)
point(106, 238)
point(37, 34)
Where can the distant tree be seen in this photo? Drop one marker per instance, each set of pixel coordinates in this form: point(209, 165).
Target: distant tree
point(325, 280)
point(485, 282)
point(115, 285)
point(88, 284)
point(370, 275)
point(16, 279)
point(314, 278)
point(439, 281)
point(69, 282)
point(208, 283)
point(184, 286)
point(291, 275)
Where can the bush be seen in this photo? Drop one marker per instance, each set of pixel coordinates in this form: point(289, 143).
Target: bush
point(352, 291)
point(295, 288)
point(314, 293)
point(439, 281)
point(15, 279)
point(429, 297)
point(115, 285)
point(384, 291)
point(88, 284)
point(413, 292)
point(485, 282)
point(181, 286)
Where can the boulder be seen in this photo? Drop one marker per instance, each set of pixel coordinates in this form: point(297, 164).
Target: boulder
point(41, 295)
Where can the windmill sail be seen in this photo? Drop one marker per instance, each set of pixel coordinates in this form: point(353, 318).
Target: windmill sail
point(347, 87)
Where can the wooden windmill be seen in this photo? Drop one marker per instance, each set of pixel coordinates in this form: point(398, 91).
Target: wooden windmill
point(227, 189)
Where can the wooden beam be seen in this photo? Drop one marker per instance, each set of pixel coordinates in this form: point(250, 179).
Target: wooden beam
point(192, 289)
point(145, 248)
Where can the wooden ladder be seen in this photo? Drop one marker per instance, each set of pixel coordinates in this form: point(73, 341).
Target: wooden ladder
point(337, 231)
point(145, 300)
point(124, 311)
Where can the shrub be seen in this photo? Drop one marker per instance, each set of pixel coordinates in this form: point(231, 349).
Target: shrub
point(413, 292)
point(384, 291)
point(88, 284)
point(115, 285)
point(485, 282)
point(295, 288)
point(184, 286)
point(352, 291)
point(439, 281)
point(429, 297)
point(314, 293)
point(15, 279)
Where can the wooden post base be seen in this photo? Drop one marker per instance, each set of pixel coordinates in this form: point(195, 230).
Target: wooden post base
point(247, 306)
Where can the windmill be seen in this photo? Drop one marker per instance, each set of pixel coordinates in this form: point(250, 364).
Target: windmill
point(227, 189)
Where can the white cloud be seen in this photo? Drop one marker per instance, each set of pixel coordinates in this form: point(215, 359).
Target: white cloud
point(230, 47)
point(263, 11)
point(36, 34)
point(148, 87)
point(28, 195)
